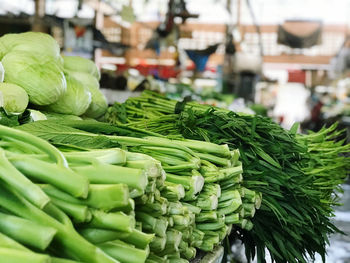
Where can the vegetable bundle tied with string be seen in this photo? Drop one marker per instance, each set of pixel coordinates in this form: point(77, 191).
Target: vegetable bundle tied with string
point(294, 220)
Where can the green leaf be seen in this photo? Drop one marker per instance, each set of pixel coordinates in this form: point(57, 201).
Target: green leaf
point(60, 134)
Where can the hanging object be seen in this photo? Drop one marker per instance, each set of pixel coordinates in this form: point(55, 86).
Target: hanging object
point(167, 33)
point(200, 57)
point(180, 10)
point(100, 41)
point(85, 37)
point(230, 47)
point(300, 34)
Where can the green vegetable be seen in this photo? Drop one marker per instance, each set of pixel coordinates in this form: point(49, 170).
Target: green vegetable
point(105, 156)
point(59, 116)
point(80, 64)
point(9, 255)
point(45, 172)
point(70, 242)
point(156, 213)
point(62, 260)
point(117, 221)
point(36, 115)
point(276, 163)
point(105, 197)
point(75, 101)
point(124, 252)
point(98, 105)
point(12, 177)
point(26, 232)
point(7, 242)
point(111, 174)
point(14, 99)
point(38, 44)
point(42, 79)
point(79, 213)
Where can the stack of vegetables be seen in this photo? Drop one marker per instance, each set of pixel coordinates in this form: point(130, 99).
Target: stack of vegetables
point(34, 72)
point(291, 171)
point(199, 167)
point(159, 198)
point(194, 202)
point(73, 204)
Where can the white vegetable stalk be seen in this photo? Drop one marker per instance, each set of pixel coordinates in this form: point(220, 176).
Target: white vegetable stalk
point(2, 72)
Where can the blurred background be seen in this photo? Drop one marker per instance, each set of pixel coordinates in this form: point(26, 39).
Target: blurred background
point(242, 54)
point(286, 59)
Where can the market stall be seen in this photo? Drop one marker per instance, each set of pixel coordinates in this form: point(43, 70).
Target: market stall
point(152, 179)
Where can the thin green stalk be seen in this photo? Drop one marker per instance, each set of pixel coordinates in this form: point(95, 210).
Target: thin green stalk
point(173, 192)
point(156, 259)
point(235, 204)
point(232, 218)
point(177, 208)
point(79, 213)
point(211, 226)
point(105, 156)
point(138, 238)
point(229, 195)
point(11, 176)
point(98, 235)
point(194, 209)
point(215, 159)
point(105, 197)
point(26, 232)
point(9, 255)
point(199, 146)
point(41, 144)
point(207, 202)
point(193, 184)
point(117, 221)
point(124, 252)
point(63, 260)
point(173, 239)
point(158, 244)
point(7, 242)
point(151, 168)
point(207, 216)
point(150, 223)
point(110, 174)
point(70, 242)
point(181, 220)
point(45, 172)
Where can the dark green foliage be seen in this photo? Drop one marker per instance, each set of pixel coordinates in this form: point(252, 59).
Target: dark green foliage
point(289, 170)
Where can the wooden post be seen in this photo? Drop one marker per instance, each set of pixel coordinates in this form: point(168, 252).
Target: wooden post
point(38, 24)
point(239, 14)
point(99, 24)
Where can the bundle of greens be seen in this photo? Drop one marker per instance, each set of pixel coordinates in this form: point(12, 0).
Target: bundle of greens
point(74, 203)
point(288, 169)
point(193, 206)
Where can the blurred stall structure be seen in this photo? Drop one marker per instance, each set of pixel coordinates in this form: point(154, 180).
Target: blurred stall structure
point(260, 46)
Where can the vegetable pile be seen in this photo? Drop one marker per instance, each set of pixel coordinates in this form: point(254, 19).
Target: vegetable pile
point(162, 180)
point(297, 175)
point(74, 204)
point(193, 195)
point(34, 72)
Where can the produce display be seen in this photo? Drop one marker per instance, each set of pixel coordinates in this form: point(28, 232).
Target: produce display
point(66, 85)
point(193, 196)
point(298, 175)
point(50, 203)
point(152, 179)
